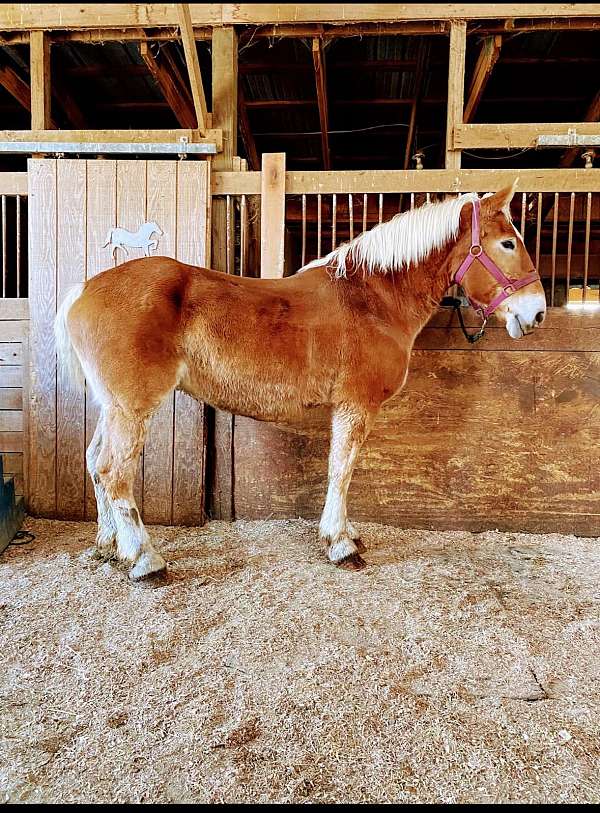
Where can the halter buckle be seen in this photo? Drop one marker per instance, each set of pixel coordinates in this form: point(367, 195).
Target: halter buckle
point(474, 253)
point(509, 289)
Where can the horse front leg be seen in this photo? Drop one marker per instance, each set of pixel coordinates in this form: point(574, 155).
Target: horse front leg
point(349, 429)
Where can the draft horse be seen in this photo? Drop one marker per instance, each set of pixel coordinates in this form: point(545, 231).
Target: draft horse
point(338, 334)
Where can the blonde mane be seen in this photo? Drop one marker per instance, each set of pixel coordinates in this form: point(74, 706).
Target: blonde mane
point(405, 240)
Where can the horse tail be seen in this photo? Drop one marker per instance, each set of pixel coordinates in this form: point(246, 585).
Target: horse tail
point(108, 239)
point(67, 357)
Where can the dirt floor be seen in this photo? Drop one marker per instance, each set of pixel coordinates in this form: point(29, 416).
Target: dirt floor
point(455, 668)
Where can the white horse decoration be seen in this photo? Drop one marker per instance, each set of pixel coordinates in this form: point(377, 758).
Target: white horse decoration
point(142, 238)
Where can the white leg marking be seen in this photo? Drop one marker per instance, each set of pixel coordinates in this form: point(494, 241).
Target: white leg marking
point(341, 549)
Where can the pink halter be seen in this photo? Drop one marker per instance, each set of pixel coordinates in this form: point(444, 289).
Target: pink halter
point(476, 252)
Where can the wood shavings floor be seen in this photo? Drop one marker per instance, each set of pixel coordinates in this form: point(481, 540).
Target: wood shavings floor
point(456, 668)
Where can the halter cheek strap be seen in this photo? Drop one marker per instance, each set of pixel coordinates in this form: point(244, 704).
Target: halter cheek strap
point(476, 252)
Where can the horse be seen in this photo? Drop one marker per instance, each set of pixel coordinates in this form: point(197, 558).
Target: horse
point(338, 334)
point(142, 238)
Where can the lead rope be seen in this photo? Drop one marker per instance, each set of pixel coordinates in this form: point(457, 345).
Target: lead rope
point(454, 302)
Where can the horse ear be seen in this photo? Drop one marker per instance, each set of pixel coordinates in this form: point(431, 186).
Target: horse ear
point(500, 201)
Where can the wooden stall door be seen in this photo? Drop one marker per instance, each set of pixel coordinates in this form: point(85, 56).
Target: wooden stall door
point(73, 206)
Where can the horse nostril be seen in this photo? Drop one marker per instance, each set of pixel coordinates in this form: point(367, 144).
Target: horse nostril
point(539, 317)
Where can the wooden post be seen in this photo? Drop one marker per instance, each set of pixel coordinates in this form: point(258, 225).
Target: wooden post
point(224, 116)
point(488, 56)
point(193, 66)
point(40, 80)
point(272, 223)
point(456, 89)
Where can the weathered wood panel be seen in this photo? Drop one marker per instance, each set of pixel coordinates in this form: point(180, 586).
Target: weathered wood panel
point(42, 302)
point(478, 439)
point(71, 179)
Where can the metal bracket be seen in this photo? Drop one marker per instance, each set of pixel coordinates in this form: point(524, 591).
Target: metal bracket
point(571, 139)
point(183, 148)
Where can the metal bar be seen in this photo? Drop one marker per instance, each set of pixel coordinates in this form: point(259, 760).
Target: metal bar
point(18, 202)
point(333, 220)
point(412, 201)
point(319, 215)
point(365, 207)
point(351, 216)
point(523, 213)
point(571, 140)
point(243, 234)
point(380, 208)
point(554, 236)
point(228, 236)
point(93, 148)
point(570, 244)
point(303, 230)
point(586, 253)
point(538, 232)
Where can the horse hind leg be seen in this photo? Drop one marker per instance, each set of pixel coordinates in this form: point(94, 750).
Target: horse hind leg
point(107, 530)
point(349, 429)
point(117, 465)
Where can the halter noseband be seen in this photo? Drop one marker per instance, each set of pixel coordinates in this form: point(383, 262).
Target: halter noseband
point(509, 286)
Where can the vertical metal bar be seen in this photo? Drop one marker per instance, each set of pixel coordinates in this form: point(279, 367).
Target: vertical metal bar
point(303, 229)
point(351, 216)
point(380, 207)
point(570, 244)
point(319, 225)
point(333, 220)
point(365, 207)
point(3, 245)
point(243, 234)
point(586, 254)
point(228, 237)
point(412, 201)
point(428, 197)
point(538, 232)
point(523, 213)
point(18, 202)
point(554, 236)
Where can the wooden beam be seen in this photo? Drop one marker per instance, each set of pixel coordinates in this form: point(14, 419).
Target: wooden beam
point(13, 183)
point(272, 223)
point(225, 89)
point(193, 66)
point(246, 131)
point(456, 89)
point(488, 56)
point(179, 102)
point(375, 181)
point(423, 49)
point(592, 114)
point(321, 82)
point(40, 80)
point(17, 87)
point(514, 136)
point(125, 136)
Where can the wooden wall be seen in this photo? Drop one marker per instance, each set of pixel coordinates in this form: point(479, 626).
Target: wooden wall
point(504, 434)
point(13, 364)
point(72, 206)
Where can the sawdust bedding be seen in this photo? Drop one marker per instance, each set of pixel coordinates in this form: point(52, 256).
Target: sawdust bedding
point(455, 668)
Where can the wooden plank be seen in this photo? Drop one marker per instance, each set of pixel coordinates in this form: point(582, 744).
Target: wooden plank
point(11, 353)
point(11, 442)
point(225, 91)
point(11, 420)
point(451, 467)
point(158, 449)
point(456, 89)
point(13, 183)
point(11, 376)
point(70, 395)
point(425, 180)
point(42, 303)
point(11, 398)
point(39, 45)
point(488, 56)
point(321, 83)
point(13, 330)
point(272, 225)
point(120, 136)
point(13, 463)
point(174, 93)
point(509, 136)
point(193, 246)
point(101, 217)
point(17, 87)
point(193, 65)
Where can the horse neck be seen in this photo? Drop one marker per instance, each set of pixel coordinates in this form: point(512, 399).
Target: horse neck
point(413, 295)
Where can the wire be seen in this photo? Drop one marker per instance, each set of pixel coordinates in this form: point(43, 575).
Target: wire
point(496, 157)
point(337, 132)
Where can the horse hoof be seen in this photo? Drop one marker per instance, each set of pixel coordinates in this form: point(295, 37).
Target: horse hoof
point(360, 545)
point(149, 564)
point(352, 562)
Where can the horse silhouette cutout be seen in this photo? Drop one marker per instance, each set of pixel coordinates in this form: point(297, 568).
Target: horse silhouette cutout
point(142, 238)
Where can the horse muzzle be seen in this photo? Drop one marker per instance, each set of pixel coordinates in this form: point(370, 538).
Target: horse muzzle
point(522, 313)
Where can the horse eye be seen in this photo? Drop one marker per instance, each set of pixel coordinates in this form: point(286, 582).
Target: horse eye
point(508, 244)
